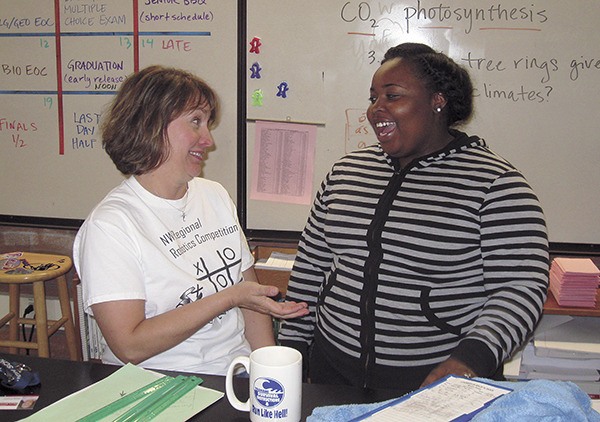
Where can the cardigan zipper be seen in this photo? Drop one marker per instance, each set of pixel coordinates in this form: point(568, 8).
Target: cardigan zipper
point(372, 265)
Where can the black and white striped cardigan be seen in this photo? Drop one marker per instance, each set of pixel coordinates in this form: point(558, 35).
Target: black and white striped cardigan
point(403, 268)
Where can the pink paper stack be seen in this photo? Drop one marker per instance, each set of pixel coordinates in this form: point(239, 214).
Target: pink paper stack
point(574, 282)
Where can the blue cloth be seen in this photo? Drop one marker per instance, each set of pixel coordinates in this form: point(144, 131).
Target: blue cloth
point(541, 400)
point(342, 413)
point(532, 401)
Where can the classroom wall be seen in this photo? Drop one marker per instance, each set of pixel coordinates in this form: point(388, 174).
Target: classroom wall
point(535, 65)
point(61, 63)
point(36, 239)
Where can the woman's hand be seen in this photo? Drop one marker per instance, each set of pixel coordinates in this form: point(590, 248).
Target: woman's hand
point(260, 298)
point(448, 367)
point(134, 338)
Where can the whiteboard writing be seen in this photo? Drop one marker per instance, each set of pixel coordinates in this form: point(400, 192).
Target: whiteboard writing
point(64, 60)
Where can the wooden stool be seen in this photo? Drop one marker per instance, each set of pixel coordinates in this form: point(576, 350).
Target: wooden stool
point(37, 269)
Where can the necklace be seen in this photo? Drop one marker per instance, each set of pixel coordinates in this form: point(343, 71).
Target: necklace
point(181, 210)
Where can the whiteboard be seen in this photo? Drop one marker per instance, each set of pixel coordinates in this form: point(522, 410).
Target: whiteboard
point(61, 63)
point(535, 65)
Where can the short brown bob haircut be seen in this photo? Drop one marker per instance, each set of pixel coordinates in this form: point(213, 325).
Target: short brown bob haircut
point(134, 129)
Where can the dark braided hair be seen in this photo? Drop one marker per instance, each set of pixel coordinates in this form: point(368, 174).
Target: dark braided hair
point(440, 74)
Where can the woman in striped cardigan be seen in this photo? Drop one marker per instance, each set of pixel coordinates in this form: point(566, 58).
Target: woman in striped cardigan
point(424, 255)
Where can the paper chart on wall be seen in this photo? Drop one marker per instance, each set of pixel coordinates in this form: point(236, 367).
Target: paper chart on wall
point(283, 167)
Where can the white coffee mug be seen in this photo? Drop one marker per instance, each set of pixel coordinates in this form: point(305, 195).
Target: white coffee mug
point(275, 384)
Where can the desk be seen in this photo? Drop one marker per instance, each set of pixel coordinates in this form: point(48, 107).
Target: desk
point(61, 378)
point(552, 307)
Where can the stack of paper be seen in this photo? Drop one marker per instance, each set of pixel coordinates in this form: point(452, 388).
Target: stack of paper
point(540, 365)
point(574, 282)
point(578, 337)
point(563, 348)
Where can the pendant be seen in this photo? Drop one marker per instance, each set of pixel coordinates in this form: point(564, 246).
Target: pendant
point(183, 216)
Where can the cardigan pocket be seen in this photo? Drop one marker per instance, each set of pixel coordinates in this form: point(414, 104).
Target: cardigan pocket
point(426, 300)
point(328, 285)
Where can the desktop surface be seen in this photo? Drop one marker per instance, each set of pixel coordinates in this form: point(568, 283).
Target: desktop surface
point(60, 378)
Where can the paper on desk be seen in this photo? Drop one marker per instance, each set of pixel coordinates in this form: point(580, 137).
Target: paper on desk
point(277, 261)
point(512, 367)
point(126, 380)
point(579, 335)
point(548, 322)
point(450, 399)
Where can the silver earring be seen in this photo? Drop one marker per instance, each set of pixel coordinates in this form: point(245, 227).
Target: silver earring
point(439, 109)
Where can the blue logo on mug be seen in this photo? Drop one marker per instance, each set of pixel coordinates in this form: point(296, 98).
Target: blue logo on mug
point(268, 392)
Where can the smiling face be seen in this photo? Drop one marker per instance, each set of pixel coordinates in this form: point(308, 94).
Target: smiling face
point(188, 138)
point(403, 113)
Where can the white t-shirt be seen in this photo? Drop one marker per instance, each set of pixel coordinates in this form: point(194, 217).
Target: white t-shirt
point(135, 245)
